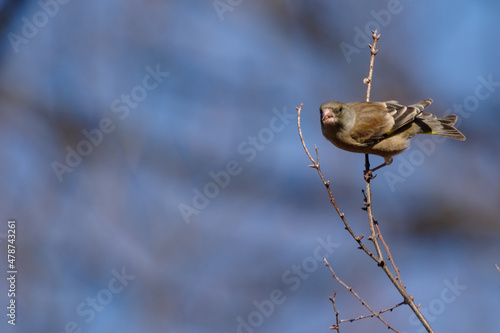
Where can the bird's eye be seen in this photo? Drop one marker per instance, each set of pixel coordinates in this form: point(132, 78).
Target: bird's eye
point(340, 108)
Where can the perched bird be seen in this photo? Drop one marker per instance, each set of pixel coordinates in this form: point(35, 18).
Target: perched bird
point(381, 128)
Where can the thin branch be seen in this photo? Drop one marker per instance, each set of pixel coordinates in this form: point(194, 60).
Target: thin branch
point(375, 235)
point(371, 315)
point(389, 255)
point(340, 321)
point(374, 52)
point(375, 314)
point(368, 82)
point(336, 326)
point(380, 261)
point(316, 166)
point(497, 267)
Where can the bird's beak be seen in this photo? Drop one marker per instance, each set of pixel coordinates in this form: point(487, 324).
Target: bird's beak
point(328, 116)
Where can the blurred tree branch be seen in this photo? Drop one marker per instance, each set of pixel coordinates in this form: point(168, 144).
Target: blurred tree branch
point(9, 12)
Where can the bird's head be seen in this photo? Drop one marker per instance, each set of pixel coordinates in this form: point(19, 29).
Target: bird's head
point(335, 114)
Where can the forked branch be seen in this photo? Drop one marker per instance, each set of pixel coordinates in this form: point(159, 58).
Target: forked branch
point(375, 233)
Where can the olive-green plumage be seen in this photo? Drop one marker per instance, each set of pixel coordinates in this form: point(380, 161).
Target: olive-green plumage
point(381, 128)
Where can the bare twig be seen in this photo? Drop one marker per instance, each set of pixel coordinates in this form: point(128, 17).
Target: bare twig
point(371, 315)
point(340, 321)
point(375, 235)
point(336, 326)
point(497, 267)
point(379, 234)
point(375, 314)
point(389, 255)
point(368, 82)
point(316, 166)
point(374, 52)
point(380, 262)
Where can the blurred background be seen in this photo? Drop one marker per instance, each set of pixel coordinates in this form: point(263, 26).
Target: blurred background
point(151, 158)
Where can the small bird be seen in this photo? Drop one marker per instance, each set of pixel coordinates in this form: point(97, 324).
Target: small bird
point(381, 128)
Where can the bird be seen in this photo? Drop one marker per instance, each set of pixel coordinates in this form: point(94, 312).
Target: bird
point(381, 128)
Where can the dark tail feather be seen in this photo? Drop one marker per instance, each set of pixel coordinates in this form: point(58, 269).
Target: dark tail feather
point(443, 126)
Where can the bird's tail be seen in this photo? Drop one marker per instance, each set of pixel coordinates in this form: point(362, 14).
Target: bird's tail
point(440, 126)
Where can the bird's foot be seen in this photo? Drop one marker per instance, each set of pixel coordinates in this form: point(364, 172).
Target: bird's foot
point(368, 174)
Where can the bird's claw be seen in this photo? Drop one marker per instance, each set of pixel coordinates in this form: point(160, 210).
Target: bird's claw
point(368, 174)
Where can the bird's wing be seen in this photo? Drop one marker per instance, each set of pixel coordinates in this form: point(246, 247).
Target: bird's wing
point(403, 115)
point(373, 122)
